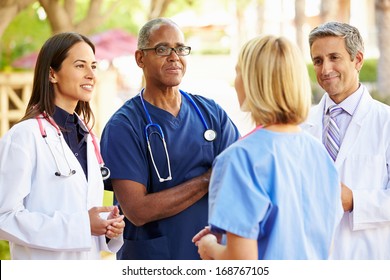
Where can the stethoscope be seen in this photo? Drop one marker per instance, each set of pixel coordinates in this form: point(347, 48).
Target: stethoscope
point(209, 134)
point(103, 169)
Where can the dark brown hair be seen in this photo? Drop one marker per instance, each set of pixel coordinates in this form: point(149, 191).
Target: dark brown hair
point(51, 55)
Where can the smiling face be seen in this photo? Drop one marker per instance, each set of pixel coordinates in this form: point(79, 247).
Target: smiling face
point(75, 80)
point(163, 71)
point(335, 72)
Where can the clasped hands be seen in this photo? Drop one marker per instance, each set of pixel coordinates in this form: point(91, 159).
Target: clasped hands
point(112, 227)
point(203, 239)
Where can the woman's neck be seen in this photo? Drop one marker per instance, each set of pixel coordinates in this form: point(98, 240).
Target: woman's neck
point(282, 127)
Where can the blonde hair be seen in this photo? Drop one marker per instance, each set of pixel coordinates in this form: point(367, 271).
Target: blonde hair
point(276, 81)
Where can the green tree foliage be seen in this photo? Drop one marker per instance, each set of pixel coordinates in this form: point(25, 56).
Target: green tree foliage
point(4, 250)
point(368, 76)
point(127, 16)
point(24, 35)
point(30, 28)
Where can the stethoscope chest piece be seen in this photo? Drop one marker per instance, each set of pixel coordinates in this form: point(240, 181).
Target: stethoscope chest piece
point(210, 135)
point(105, 172)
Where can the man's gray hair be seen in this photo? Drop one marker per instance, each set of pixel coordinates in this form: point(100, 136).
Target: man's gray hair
point(146, 30)
point(351, 35)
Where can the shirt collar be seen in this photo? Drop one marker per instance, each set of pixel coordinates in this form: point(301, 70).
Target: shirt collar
point(350, 103)
point(63, 119)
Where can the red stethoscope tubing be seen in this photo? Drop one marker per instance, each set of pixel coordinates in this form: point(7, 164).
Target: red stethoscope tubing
point(96, 148)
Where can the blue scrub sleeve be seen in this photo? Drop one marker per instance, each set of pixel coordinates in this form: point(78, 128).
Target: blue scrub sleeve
point(236, 205)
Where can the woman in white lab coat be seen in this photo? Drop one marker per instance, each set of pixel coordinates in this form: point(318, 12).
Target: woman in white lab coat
point(51, 185)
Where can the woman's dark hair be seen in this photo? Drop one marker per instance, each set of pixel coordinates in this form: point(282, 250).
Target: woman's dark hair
point(51, 55)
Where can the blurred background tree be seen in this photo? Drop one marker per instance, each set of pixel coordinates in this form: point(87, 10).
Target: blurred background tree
point(26, 24)
point(382, 9)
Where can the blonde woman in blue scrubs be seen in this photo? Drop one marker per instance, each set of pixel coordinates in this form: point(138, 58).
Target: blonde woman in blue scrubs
point(275, 193)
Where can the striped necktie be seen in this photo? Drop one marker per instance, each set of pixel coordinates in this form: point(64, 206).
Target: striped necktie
point(332, 139)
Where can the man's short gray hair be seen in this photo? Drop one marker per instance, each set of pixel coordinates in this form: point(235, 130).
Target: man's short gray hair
point(146, 30)
point(351, 35)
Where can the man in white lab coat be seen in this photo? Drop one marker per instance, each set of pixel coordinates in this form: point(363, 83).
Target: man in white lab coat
point(360, 143)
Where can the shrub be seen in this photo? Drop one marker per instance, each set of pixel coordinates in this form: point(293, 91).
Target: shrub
point(367, 76)
point(4, 250)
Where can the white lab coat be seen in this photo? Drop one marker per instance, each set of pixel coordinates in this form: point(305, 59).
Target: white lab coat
point(363, 164)
point(44, 216)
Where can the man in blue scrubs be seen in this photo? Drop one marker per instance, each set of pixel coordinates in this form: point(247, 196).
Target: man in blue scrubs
point(163, 192)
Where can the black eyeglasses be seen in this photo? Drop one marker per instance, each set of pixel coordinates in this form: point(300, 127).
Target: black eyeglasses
point(166, 51)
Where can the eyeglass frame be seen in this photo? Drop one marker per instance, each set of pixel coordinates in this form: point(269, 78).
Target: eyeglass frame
point(169, 48)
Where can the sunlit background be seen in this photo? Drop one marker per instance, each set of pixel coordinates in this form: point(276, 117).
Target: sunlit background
point(214, 29)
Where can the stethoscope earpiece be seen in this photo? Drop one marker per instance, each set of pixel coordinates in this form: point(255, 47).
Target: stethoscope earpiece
point(72, 172)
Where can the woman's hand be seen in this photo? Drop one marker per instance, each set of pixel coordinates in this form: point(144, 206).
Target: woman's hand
point(204, 232)
point(117, 225)
point(112, 227)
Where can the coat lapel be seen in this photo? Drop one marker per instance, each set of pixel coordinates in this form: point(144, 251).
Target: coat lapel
point(354, 129)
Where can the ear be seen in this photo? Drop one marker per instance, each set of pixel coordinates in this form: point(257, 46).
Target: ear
point(52, 77)
point(139, 58)
point(359, 59)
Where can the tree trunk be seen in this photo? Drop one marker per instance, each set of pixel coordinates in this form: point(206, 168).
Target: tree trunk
point(9, 9)
point(382, 8)
point(260, 15)
point(300, 19)
point(329, 9)
point(60, 15)
point(344, 13)
point(158, 8)
point(57, 16)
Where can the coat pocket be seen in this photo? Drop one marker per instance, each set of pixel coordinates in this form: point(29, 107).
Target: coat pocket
point(365, 171)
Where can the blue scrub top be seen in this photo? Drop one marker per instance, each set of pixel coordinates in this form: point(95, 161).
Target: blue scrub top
point(125, 152)
point(281, 189)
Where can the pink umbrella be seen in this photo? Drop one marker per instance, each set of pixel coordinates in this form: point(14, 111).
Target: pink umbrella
point(26, 62)
point(108, 45)
point(114, 43)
